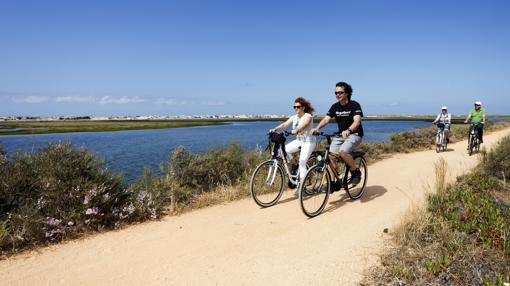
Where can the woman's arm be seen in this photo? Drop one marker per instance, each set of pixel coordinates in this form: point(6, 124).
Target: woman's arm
point(282, 126)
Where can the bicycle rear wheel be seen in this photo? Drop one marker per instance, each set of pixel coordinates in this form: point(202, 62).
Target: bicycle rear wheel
point(314, 192)
point(356, 191)
point(266, 184)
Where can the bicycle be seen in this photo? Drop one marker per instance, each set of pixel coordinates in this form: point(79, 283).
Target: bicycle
point(441, 141)
point(315, 190)
point(473, 141)
point(267, 182)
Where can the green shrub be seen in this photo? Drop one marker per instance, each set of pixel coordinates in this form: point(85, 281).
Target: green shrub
point(497, 161)
point(62, 192)
point(205, 172)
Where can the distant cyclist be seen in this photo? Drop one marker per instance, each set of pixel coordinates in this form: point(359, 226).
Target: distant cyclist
point(347, 114)
point(477, 116)
point(444, 120)
point(302, 123)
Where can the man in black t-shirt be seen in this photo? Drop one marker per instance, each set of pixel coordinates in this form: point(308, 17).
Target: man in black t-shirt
point(347, 114)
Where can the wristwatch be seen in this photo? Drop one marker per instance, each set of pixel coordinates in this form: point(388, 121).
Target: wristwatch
point(350, 130)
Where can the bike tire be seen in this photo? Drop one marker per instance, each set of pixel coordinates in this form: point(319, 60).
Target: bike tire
point(267, 183)
point(472, 149)
point(313, 196)
point(356, 191)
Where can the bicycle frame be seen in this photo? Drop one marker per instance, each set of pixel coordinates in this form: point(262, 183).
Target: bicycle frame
point(281, 160)
point(333, 170)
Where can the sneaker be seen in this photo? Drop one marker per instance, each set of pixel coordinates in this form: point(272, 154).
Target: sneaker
point(355, 177)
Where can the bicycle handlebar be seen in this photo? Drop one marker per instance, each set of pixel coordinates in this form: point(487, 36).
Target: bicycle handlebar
point(327, 135)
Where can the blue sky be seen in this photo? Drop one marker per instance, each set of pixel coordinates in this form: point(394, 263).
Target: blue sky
point(251, 57)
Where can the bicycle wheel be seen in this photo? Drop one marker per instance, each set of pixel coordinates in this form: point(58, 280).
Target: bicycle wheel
point(266, 184)
point(438, 143)
point(314, 192)
point(356, 191)
point(471, 145)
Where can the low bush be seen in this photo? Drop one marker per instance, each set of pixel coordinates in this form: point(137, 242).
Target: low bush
point(463, 238)
point(497, 162)
point(194, 174)
point(62, 192)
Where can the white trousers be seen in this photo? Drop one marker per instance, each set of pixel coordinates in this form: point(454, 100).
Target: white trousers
point(306, 150)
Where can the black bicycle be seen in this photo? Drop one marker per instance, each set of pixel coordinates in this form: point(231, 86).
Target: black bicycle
point(316, 187)
point(267, 183)
point(473, 141)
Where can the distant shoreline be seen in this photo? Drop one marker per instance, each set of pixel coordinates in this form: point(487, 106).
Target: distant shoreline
point(32, 127)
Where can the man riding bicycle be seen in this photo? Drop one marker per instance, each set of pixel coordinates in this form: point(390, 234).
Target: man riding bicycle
point(477, 116)
point(347, 114)
point(444, 120)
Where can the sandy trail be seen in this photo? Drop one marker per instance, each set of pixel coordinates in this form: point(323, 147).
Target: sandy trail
point(241, 244)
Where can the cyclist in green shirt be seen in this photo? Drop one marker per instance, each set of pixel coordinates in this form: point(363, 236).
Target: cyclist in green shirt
point(477, 116)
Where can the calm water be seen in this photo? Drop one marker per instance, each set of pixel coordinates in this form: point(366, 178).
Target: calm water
point(128, 152)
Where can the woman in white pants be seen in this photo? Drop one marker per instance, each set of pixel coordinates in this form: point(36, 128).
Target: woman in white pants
point(302, 123)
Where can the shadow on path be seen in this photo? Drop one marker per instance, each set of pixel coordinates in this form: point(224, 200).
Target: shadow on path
point(371, 192)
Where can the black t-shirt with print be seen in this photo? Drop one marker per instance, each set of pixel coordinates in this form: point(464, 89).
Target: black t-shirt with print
point(344, 115)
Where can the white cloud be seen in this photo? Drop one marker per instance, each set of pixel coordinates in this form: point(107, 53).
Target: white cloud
point(79, 99)
point(181, 102)
point(120, 100)
point(172, 102)
point(212, 103)
point(31, 99)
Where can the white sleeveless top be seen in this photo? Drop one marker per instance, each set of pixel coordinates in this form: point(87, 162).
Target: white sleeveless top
point(305, 135)
point(443, 118)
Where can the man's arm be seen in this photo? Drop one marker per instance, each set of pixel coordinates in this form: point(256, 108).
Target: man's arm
point(321, 124)
point(354, 126)
point(467, 118)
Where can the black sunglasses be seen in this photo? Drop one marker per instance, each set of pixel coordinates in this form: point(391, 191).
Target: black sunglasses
point(339, 92)
point(297, 106)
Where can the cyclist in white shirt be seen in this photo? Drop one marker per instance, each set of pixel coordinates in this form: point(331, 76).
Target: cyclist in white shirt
point(302, 123)
point(444, 120)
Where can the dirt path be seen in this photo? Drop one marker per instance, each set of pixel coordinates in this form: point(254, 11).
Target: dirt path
point(241, 244)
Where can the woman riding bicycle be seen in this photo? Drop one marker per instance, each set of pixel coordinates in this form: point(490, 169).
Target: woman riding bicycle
point(302, 123)
point(444, 120)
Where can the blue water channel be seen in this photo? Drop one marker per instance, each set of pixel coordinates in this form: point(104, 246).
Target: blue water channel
point(128, 152)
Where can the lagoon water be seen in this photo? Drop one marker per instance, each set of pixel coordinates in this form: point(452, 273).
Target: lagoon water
point(128, 152)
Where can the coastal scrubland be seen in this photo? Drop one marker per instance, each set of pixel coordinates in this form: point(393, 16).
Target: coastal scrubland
point(461, 237)
point(65, 126)
point(61, 192)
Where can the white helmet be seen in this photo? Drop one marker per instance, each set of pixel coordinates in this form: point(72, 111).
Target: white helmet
point(478, 103)
point(444, 108)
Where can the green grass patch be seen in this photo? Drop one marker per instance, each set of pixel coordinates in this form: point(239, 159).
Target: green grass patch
point(64, 126)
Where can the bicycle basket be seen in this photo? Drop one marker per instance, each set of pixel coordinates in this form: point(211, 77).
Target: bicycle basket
point(277, 138)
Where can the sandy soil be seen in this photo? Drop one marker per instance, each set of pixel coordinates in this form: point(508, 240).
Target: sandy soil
point(241, 244)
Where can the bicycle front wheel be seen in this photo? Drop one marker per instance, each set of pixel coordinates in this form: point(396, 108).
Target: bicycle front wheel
point(314, 192)
point(471, 148)
point(266, 184)
point(356, 191)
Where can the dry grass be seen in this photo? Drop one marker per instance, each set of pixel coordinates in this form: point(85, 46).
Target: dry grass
point(461, 238)
point(441, 169)
point(223, 194)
